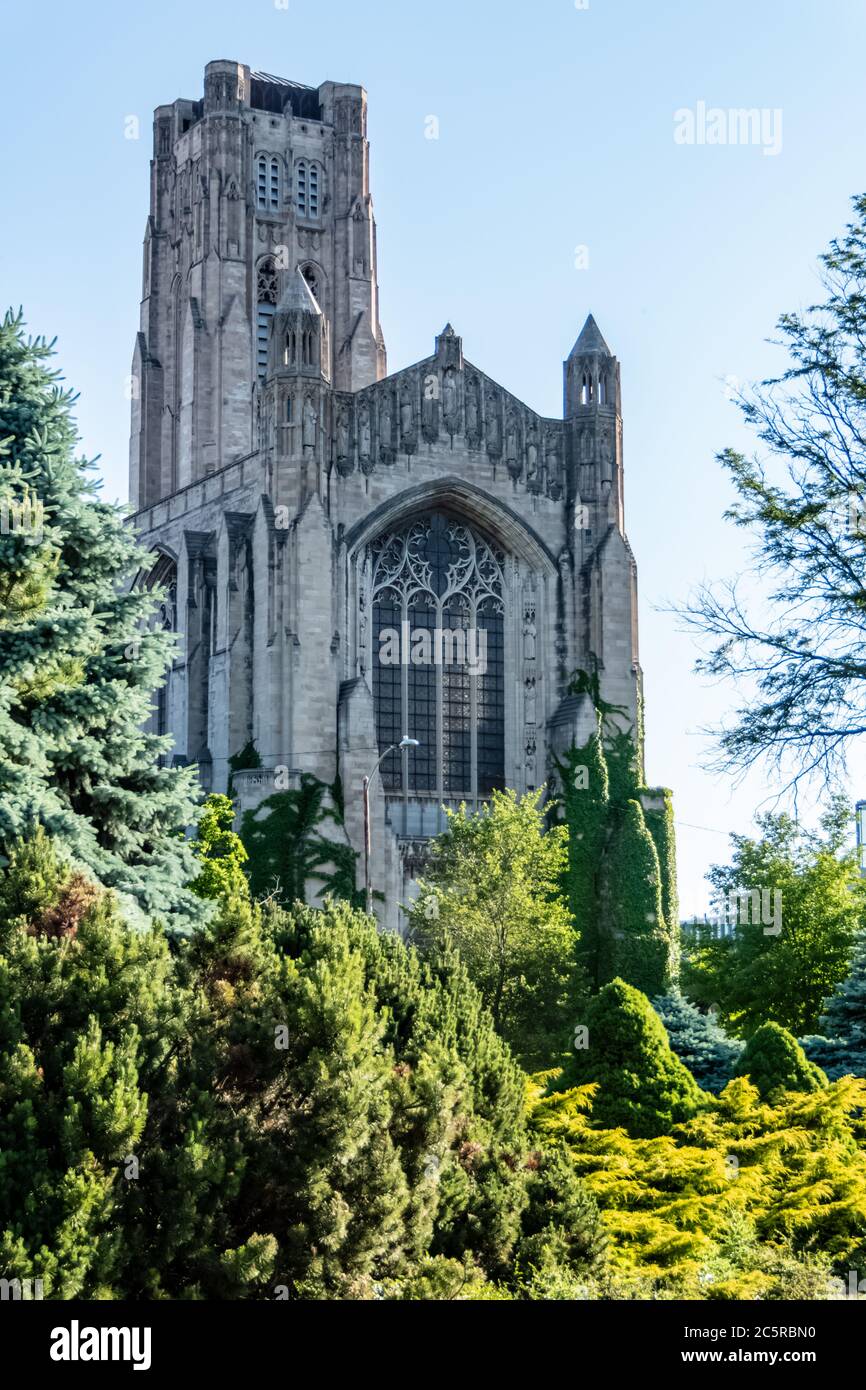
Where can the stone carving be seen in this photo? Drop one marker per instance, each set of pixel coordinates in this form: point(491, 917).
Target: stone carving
point(430, 407)
point(533, 460)
point(513, 460)
point(451, 400)
point(529, 632)
point(530, 746)
point(529, 699)
point(343, 441)
point(407, 415)
point(473, 411)
point(364, 447)
point(553, 465)
point(309, 424)
point(359, 250)
point(493, 422)
point(386, 427)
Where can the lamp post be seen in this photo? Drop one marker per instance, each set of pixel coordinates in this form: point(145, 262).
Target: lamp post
point(405, 742)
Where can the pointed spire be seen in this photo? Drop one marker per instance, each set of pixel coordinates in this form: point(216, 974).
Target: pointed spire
point(590, 340)
point(297, 296)
point(449, 348)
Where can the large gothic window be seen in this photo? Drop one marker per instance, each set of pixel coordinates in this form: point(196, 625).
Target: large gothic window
point(436, 598)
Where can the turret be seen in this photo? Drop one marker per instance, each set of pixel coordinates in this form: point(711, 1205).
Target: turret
point(591, 373)
point(593, 409)
point(299, 334)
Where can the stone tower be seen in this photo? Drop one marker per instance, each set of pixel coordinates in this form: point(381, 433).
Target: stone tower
point(257, 177)
point(351, 556)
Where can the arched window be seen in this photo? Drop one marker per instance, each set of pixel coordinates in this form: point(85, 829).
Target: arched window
point(307, 188)
point(267, 289)
point(268, 183)
point(436, 594)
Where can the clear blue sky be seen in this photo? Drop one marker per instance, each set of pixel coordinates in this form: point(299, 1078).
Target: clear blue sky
point(556, 130)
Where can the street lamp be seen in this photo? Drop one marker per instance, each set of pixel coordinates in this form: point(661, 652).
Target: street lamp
point(405, 742)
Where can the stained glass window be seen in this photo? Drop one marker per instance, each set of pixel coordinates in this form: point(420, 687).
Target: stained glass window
point(436, 591)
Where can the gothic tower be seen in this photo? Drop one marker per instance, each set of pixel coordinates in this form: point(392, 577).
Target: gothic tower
point(258, 177)
point(351, 556)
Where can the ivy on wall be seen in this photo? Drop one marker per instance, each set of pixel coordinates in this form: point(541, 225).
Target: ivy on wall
point(621, 877)
point(586, 804)
point(634, 938)
point(243, 761)
point(283, 838)
point(660, 823)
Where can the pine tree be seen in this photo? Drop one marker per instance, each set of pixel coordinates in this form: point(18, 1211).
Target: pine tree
point(698, 1041)
point(562, 1214)
point(458, 1097)
point(845, 1014)
point(78, 665)
point(641, 1084)
point(82, 1016)
point(775, 1062)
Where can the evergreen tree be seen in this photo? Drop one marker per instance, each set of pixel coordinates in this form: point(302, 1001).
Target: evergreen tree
point(698, 1041)
point(731, 1204)
point(840, 1049)
point(641, 1084)
point(775, 1062)
point(78, 666)
point(561, 1219)
point(83, 1014)
point(459, 1097)
point(332, 1095)
point(845, 1015)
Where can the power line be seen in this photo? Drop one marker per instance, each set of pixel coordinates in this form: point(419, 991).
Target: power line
point(710, 829)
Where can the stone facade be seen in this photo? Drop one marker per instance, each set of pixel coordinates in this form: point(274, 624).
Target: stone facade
point(299, 499)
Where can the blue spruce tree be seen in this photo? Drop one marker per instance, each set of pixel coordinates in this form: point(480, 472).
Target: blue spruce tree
point(78, 664)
